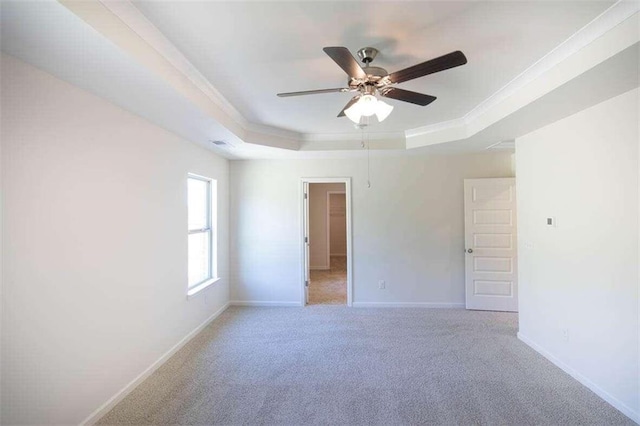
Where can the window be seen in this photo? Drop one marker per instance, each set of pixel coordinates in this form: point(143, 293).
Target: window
point(201, 208)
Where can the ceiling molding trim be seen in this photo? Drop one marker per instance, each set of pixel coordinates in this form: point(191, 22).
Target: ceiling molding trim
point(353, 145)
point(437, 127)
point(131, 16)
point(103, 16)
point(618, 38)
point(602, 24)
point(139, 24)
point(599, 26)
point(524, 88)
point(102, 20)
point(274, 131)
point(353, 136)
point(508, 145)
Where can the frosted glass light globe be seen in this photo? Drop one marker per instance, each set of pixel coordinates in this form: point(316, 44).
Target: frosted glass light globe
point(368, 104)
point(383, 110)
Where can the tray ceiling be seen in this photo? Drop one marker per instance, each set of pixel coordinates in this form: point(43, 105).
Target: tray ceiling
point(249, 51)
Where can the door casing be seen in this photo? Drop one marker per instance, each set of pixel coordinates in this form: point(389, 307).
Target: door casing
point(304, 229)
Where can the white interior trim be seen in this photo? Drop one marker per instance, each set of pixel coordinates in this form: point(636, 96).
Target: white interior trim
point(138, 23)
point(122, 393)
point(486, 112)
point(205, 284)
point(612, 32)
point(615, 402)
point(262, 303)
point(598, 26)
point(428, 305)
point(347, 192)
point(606, 21)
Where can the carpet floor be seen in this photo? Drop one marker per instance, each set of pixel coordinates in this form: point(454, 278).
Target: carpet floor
point(329, 287)
point(359, 366)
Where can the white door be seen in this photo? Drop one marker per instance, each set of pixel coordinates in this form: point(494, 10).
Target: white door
point(491, 274)
point(305, 215)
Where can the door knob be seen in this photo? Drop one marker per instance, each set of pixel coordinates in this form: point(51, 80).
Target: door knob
point(469, 250)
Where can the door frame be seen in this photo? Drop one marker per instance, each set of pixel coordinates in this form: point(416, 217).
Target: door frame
point(303, 221)
point(329, 194)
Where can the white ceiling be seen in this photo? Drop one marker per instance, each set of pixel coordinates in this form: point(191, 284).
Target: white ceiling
point(108, 47)
point(50, 37)
point(249, 51)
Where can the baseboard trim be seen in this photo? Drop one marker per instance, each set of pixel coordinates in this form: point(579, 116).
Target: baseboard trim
point(260, 303)
point(408, 305)
point(613, 401)
point(120, 395)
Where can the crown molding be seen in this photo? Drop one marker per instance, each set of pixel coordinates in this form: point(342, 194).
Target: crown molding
point(508, 145)
point(352, 136)
point(615, 15)
point(125, 26)
point(145, 40)
point(600, 25)
point(275, 132)
point(139, 24)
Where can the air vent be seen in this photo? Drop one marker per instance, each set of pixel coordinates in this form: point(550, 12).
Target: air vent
point(219, 143)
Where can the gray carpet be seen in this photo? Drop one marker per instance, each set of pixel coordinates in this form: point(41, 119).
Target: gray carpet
point(338, 365)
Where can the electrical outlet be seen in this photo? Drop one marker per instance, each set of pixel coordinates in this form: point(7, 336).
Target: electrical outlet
point(565, 334)
point(381, 284)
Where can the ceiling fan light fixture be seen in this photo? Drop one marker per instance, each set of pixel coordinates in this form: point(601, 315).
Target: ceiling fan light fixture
point(364, 107)
point(367, 106)
point(383, 110)
point(354, 112)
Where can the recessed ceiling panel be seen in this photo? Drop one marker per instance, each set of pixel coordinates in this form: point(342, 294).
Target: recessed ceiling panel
point(252, 50)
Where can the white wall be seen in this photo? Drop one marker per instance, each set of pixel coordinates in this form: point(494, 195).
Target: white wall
point(407, 228)
point(582, 276)
point(95, 247)
point(337, 225)
point(318, 243)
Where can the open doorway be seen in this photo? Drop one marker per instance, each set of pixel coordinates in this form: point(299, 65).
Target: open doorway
point(326, 242)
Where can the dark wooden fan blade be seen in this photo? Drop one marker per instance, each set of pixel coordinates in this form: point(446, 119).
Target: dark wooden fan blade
point(313, 92)
point(408, 96)
point(351, 102)
point(450, 60)
point(346, 61)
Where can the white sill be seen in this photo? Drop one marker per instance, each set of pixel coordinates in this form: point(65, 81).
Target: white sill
point(197, 289)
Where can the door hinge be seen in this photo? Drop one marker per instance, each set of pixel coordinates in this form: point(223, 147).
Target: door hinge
point(306, 283)
point(306, 239)
point(305, 195)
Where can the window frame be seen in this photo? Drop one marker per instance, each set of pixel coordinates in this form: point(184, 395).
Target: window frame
point(211, 220)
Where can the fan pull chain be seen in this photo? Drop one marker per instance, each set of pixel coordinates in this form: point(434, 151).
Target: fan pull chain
point(368, 155)
point(368, 162)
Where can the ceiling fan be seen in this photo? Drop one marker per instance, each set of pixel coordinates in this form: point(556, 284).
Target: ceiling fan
point(371, 81)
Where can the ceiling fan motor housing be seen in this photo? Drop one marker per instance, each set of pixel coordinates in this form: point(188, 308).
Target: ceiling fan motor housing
point(367, 54)
point(376, 76)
